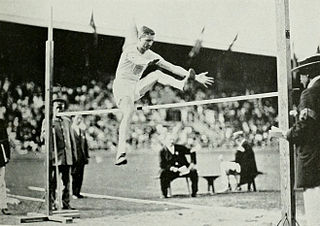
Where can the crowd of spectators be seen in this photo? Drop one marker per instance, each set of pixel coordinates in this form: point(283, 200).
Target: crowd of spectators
point(211, 125)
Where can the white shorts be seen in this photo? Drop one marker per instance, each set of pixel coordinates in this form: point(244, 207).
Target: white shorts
point(125, 88)
point(226, 167)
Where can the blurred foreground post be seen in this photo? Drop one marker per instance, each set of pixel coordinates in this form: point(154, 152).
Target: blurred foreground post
point(288, 206)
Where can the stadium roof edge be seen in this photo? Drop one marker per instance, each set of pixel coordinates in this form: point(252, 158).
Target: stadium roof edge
point(103, 30)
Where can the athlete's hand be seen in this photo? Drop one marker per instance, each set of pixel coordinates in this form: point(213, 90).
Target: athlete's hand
point(204, 79)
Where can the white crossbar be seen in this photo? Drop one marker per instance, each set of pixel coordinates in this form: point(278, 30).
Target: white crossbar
point(174, 105)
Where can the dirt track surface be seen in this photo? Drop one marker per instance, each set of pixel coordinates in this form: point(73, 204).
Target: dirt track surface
point(206, 216)
point(137, 182)
point(205, 210)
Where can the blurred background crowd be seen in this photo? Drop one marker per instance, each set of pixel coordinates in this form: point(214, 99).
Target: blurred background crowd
point(211, 125)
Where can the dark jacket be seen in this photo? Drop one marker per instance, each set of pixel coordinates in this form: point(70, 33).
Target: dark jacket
point(80, 146)
point(247, 162)
point(65, 146)
point(4, 144)
point(305, 134)
point(178, 159)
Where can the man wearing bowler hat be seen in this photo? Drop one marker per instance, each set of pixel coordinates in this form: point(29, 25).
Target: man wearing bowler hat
point(305, 134)
point(63, 144)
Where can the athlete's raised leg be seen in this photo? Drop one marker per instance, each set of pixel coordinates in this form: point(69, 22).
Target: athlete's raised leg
point(146, 84)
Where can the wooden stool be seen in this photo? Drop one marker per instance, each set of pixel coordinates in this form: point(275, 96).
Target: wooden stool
point(210, 179)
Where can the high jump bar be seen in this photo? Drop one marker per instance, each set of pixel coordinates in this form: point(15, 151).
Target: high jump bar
point(173, 105)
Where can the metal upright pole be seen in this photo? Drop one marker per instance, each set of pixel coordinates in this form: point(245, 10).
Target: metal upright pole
point(48, 108)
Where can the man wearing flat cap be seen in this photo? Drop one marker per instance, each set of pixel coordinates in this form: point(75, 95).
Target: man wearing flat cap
point(305, 135)
point(63, 144)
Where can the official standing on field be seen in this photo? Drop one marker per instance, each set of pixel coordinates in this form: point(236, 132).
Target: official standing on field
point(78, 134)
point(65, 152)
point(305, 134)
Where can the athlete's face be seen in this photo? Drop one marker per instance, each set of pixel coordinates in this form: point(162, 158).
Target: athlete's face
point(146, 42)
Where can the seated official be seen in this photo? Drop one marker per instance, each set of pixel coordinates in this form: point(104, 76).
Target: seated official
point(173, 163)
point(244, 164)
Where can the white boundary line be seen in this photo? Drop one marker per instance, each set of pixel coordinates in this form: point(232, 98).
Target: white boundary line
point(32, 188)
point(145, 201)
point(26, 198)
point(173, 105)
point(135, 200)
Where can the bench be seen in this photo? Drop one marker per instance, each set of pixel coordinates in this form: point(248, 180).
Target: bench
point(210, 179)
point(236, 174)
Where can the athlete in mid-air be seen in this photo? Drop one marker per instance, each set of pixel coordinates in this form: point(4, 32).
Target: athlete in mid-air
point(128, 87)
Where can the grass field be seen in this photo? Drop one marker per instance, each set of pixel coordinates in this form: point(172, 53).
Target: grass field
point(138, 181)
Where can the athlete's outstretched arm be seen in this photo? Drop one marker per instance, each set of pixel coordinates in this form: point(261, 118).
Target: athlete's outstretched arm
point(180, 71)
point(177, 70)
point(131, 36)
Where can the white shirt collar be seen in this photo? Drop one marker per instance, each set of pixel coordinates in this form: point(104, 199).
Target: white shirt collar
point(170, 148)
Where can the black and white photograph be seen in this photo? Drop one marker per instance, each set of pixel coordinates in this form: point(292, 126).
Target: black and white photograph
point(160, 112)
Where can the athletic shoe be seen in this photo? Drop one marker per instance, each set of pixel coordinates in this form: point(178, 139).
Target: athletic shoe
point(5, 211)
point(181, 83)
point(191, 75)
point(121, 160)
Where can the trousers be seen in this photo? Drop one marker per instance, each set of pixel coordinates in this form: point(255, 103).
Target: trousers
point(3, 192)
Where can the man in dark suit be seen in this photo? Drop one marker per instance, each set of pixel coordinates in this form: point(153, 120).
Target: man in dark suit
point(305, 135)
point(78, 135)
point(173, 163)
